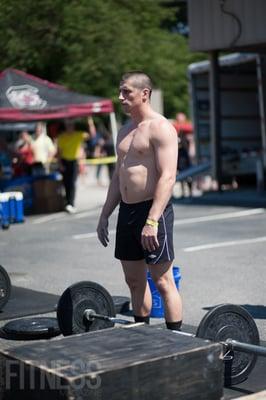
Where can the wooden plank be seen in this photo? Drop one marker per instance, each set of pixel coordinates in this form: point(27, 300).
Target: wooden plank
point(138, 362)
point(254, 396)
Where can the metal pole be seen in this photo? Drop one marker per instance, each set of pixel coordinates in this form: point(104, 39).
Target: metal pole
point(215, 117)
point(91, 315)
point(194, 114)
point(246, 347)
point(231, 344)
point(113, 128)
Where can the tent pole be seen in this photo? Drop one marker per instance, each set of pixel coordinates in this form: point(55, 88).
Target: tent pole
point(113, 128)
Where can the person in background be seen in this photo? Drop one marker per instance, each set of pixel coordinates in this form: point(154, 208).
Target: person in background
point(182, 124)
point(43, 147)
point(5, 160)
point(184, 129)
point(24, 156)
point(109, 151)
point(184, 162)
point(95, 146)
point(69, 146)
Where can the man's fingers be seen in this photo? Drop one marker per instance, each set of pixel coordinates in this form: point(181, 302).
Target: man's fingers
point(104, 241)
point(149, 243)
point(103, 236)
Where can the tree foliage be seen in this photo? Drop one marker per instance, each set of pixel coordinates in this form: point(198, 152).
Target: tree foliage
point(88, 44)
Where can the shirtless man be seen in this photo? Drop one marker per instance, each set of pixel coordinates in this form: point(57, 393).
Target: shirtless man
point(142, 183)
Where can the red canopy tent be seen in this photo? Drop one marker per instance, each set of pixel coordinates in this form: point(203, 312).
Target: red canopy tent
point(24, 97)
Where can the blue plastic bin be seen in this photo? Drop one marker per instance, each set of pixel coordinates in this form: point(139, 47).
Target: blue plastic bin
point(23, 185)
point(157, 310)
point(11, 209)
point(4, 209)
point(16, 207)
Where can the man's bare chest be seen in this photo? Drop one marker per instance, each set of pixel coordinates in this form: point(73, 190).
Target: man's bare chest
point(135, 144)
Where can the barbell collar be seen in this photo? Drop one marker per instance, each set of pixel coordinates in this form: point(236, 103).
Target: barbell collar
point(91, 315)
point(245, 347)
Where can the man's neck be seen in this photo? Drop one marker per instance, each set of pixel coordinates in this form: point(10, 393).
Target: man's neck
point(141, 114)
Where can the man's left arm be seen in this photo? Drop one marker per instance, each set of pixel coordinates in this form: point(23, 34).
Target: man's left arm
point(166, 152)
point(165, 144)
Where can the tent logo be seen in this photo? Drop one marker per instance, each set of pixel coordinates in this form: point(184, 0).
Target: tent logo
point(25, 96)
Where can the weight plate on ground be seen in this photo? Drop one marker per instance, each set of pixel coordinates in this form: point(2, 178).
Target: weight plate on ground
point(5, 287)
point(75, 300)
point(230, 321)
point(31, 328)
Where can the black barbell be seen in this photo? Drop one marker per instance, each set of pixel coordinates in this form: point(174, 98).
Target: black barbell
point(87, 306)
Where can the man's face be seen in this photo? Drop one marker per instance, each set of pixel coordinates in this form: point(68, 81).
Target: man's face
point(130, 96)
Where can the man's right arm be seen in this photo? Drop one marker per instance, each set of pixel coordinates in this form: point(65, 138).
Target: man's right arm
point(112, 200)
point(113, 195)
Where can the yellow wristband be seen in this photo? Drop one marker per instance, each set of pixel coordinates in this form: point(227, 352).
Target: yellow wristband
point(152, 222)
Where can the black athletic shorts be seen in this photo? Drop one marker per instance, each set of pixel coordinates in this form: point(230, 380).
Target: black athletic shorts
point(131, 220)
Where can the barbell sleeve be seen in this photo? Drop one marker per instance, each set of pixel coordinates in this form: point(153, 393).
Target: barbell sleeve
point(245, 347)
point(235, 345)
point(90, 315)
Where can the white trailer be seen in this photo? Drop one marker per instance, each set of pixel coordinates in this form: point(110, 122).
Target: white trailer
point(243, 140)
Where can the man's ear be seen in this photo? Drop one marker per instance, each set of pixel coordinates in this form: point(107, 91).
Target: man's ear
point(146, 93)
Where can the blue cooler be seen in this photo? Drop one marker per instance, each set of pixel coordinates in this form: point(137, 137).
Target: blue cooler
point(157, 310)
point(16, 206)
point(4, 209)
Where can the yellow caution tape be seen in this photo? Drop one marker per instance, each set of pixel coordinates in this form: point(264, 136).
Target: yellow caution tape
point(100, 160)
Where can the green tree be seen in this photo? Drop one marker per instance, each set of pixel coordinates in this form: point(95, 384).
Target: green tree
point(88, 44)
point(30, 36)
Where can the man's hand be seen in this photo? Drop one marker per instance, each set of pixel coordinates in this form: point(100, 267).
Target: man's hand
point(149, 239)
point(102, 231)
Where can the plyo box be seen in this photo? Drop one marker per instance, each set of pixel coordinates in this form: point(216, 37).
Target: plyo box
point(136, 362)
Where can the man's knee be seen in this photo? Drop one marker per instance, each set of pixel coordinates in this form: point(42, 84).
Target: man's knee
point(163, 283)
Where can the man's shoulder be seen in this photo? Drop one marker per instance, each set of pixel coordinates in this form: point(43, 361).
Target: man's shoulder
point(161, 124)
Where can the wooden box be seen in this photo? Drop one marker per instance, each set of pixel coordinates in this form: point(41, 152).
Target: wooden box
point(48, 204)
point(136, 362)
point(48, 196)
point(43, 188)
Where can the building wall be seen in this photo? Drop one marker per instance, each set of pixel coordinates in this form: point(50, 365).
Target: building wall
point(213, 29)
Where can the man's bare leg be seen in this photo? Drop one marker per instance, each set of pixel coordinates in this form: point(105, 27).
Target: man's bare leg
point(136, 279)
point(162, 276)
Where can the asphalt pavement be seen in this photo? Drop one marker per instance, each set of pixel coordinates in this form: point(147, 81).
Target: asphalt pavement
point(220, 248)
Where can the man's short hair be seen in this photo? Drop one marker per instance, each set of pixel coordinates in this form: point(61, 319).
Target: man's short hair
point(140, 79)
